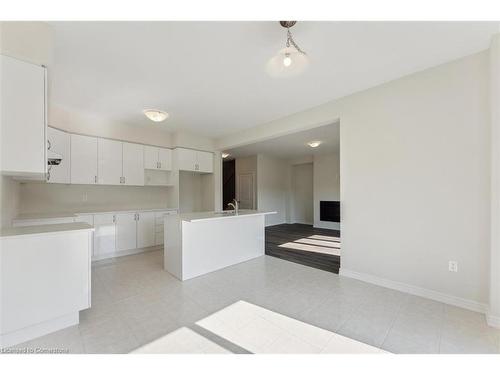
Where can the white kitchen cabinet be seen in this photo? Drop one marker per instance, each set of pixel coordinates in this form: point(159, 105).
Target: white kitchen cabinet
point(158, 158)
point(126, 231)
point(205, 161)
point(133, 164)
point(110, 158)
point(83, 159)
point(23, 118)
point(58, 141)
point(194, 160)
point(146, 229)
point(104, 236)
point(164, 159)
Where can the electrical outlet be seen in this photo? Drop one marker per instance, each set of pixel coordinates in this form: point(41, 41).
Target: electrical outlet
point(453, 266)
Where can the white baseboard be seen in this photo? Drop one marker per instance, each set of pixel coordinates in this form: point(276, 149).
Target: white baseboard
point(493, 320)
point(418, 291)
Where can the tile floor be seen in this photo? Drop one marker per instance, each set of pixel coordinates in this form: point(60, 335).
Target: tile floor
point(135, 302)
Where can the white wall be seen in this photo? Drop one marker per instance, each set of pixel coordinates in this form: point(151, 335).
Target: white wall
point(326, 185)
point(301, 202)
point(273, 176)
point(42, 197)
point(494, 293)
point(9, 198)
point(415, 157)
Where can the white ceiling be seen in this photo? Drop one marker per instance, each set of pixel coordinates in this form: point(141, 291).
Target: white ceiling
point(210, 76)
point(294, 145)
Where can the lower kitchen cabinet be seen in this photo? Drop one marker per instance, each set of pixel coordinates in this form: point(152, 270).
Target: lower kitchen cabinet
point(145, 229)
point(126, 231)
point(104, 236)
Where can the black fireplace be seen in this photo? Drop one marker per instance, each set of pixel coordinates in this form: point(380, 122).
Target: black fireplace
point(329, 211)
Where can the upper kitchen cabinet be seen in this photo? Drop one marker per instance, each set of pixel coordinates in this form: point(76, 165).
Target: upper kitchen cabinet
point(23, 118)
point(58, 141)
point(109, 166)
point(83, 159)
point(133, 164)
point(194, 160)
point(157, 158)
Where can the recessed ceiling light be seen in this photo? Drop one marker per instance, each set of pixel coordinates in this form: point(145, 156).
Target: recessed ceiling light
point(314, 144)
point(155, 115)
point(224, 155)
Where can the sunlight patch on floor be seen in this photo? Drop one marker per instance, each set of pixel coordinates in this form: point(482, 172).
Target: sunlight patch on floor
point(325, 238)
point(261, 331)
point(181, 341)
point(310, 248)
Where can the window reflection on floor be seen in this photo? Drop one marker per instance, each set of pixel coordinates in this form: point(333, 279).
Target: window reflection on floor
point(256, 330)
point(316, 244)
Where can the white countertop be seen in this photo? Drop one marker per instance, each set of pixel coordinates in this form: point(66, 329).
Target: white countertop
point(210, 215)
point(39, 229)
point(86, 211)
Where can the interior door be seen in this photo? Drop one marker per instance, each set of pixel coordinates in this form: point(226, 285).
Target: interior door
point(133, 164)
point(83, 159)
point(145, 229)
point(109, 162)
point(246, 191)
point(126, 231)
point(150, 157)
point(59, 142)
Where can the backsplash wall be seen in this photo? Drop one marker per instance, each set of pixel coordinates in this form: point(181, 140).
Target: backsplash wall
point(50, 198)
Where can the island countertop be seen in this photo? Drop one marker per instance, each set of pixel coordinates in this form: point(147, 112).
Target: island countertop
point(221, 215)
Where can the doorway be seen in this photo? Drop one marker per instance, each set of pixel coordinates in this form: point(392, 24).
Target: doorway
point(228, 182)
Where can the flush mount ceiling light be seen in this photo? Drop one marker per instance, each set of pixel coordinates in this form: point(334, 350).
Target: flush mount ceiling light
point(289, 61)
point(224, 155)
point(155, 115)
point(314, 144)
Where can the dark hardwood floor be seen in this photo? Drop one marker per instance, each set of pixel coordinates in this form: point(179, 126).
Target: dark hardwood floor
point(282, 234)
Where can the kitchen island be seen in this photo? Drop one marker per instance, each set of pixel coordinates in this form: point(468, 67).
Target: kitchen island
point(202, 242)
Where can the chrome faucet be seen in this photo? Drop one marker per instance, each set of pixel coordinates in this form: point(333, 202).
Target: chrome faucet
point(235, 206)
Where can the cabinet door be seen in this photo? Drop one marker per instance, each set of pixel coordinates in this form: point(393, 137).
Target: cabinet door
point(109, 162)
point(150, 157)
point(22, 118)
point(165, 159)
point(104, 236)
point(59, 142)
point(145, 229)
point(83, 159)
point(133, 164)
point(205, 162)
point(186, 159)
point(126, 231)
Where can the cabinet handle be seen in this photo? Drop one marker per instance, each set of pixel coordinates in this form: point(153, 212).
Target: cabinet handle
point(114, 219)
point(137, 217)
point(95, 179)
point(159, 164)
point(49, 145)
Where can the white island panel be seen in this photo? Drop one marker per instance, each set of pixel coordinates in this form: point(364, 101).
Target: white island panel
point(196, 244)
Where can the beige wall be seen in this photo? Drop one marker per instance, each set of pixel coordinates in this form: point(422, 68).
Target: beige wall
point(273, 183)
point(326, 185)
point(42, 197)
point(414, 162)
point(302, 197)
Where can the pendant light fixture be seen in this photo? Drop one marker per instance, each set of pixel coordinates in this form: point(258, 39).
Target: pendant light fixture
point(289, 61)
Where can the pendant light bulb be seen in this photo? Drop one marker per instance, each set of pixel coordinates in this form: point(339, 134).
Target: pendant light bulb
point(287, 60)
